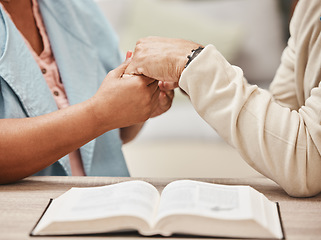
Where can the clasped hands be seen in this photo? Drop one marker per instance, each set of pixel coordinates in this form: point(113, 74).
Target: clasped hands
point(143, 86)
point(162, 59)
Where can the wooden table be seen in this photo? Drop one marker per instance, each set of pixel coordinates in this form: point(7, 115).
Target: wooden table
point(22, 203)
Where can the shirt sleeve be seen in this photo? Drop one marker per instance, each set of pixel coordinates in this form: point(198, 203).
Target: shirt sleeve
point(281, 143)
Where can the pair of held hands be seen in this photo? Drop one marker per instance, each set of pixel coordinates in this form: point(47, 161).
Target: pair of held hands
point(143, 86)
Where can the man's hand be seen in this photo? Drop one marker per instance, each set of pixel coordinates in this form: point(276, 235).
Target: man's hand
point(162, 59)
point(165, 98)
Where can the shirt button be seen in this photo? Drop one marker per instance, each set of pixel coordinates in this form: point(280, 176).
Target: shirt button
point(56, 93)
point(44, 71)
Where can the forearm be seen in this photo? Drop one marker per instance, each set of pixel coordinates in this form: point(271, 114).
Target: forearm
point(127, 134)
point(30, 144)
point(280, 143)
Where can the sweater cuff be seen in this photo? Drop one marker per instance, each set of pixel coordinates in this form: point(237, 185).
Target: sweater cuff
point(195, 65)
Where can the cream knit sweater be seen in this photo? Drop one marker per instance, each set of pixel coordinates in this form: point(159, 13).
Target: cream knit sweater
point(278, 132)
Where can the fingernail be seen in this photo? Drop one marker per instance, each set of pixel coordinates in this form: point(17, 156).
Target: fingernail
point(129, 54)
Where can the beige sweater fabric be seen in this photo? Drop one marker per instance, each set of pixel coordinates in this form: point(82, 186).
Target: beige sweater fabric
point(278, 132)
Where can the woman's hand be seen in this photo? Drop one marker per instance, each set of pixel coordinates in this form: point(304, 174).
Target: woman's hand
point(126, 99)
point(28, 145)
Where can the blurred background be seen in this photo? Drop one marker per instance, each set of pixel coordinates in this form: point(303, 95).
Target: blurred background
point(249, 33)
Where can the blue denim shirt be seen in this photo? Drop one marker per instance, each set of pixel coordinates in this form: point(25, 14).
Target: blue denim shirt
point(85, 48)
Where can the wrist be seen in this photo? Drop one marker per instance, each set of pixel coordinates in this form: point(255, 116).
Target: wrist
point(96, 114)
point(193, 55)
point(185, 56)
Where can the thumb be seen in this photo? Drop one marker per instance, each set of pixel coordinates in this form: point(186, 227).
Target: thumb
point(120, 70)
point(133, 69)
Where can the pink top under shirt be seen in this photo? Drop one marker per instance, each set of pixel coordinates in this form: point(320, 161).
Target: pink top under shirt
point(48, 66)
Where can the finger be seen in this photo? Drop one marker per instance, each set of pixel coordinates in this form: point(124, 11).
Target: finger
point(165, 100)
point(129, 54)
point(155, 100)
point(120, 70)
point(170, 94)
point(136, 66)
point(153, 86)
point(167, 86)
point(170, 85)
point(156, 95)
point(161, 85)
point(148, 80)
point(164, 103)
point(133, 69)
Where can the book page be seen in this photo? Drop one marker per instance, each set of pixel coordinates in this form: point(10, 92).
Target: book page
point(265, 212)
point(188, 197)
point(132, 198)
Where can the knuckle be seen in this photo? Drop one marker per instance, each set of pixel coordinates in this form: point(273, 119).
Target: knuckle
point(140, 44)
point(138, 47)
point(139, 41)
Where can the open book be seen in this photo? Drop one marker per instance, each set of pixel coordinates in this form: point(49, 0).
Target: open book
point(184, 207)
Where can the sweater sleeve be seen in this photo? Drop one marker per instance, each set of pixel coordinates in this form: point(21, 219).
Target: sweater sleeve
point(283, 87)
point(278, 133)
point(282, 144)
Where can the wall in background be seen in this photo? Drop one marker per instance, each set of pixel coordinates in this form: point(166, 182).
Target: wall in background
point(249, 33)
